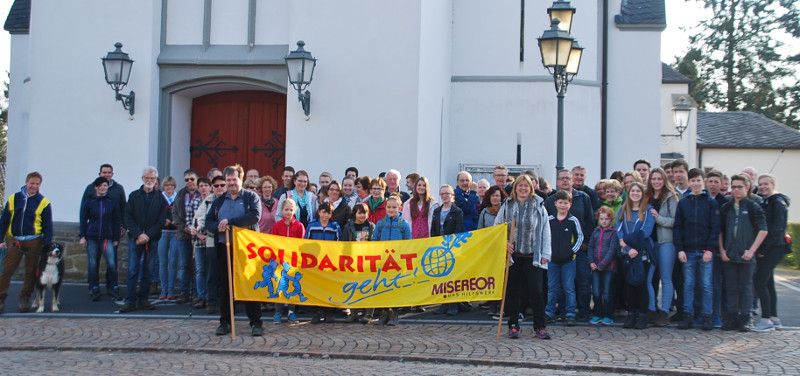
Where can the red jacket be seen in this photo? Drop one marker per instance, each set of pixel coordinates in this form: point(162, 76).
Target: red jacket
point(294, 230)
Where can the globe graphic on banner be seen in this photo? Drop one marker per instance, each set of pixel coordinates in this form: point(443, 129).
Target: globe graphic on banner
point(438, 261)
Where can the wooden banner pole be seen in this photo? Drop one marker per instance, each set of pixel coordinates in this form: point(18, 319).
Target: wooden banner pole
point(230, 281)
point(505, 279)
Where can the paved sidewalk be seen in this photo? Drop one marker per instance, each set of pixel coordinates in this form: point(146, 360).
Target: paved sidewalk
point(580, 348)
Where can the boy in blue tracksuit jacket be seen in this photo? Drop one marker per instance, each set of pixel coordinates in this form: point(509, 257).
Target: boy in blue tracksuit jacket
point(696, 236)
point(391, 227)
point(322, 228)
point(566, 240)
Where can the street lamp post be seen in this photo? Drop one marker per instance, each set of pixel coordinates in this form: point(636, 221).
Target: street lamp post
point(561, 56)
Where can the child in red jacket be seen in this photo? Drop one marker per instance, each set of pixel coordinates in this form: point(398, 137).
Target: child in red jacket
point(292, 228)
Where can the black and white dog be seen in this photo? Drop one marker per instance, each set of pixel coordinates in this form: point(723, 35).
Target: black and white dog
point(49, 274)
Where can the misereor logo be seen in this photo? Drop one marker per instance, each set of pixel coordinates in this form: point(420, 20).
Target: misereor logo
point(461, 267)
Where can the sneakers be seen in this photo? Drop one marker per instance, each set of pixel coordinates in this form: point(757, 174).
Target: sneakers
point(223, 329)
point(330, 318)
point(743, 323)
point(293, 318)
point(441, 310)
point(24, 304)
point(513, 332)
point(661, 319)
point(708, 324)
point(687, 322)
point(146, 306)
point(775, 323)
point(393, 319)
point(183, 298)
point(595, 320)
point(95, 293)
point(541, 333)
point(257, 331)
point(764, 325)
point(549, 319)
point(418, 309)
point(641, 321)
point(127, 307)
point(277, 318)
point(383, 319)
point(452, 311)
point(114, 293)
point(607, 321)
point(163, 295)
point(730, 323)
point(570, 320)
point(630, 320)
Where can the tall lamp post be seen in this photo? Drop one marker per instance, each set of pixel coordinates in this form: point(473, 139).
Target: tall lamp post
point(561, 56)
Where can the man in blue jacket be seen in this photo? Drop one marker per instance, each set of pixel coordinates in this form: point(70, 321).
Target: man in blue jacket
point(696, 236)
point(241, 208)
point(145, 217)
point(467, 200)
point(27, 225)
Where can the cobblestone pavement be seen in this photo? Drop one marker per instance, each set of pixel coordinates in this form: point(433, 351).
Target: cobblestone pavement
point(453, 347)
point(132, 363)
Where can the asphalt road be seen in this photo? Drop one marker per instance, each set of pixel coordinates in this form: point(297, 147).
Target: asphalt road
point(75, 302)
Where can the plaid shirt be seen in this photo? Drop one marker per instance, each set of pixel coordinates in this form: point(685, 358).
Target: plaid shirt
point(191, 203)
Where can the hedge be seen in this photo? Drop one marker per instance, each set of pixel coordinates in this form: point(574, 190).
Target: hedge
point(793, 259)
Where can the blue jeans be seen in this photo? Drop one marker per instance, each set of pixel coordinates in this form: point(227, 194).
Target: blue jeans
point(558, 277)
point(694, 261)
point(185, 249)
point(138, 257)
point(94, 250)
point(583, 282)
point(666, 262)
point(603, 292)
point(168, 250)
point(206, 273)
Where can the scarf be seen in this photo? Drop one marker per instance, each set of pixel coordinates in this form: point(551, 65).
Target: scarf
point(268, 203)
point(374, 204)
point(170, 199)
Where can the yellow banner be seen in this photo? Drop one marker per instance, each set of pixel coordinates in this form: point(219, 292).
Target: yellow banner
point(455, 268)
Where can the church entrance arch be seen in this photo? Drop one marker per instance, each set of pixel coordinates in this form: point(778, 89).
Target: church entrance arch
point(245, 127)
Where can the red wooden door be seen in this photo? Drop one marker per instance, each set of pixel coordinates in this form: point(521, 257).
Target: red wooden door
point(244, 127)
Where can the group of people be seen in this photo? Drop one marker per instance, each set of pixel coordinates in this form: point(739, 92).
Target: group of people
point(577, 252)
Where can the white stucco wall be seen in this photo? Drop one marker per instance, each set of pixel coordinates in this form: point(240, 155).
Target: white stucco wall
point(634, 95)
point(74, 123)
point(184, 22)
point(732, 161)
point(19, 104)
point(229, 22)
point(686, 145)
point(365, 93)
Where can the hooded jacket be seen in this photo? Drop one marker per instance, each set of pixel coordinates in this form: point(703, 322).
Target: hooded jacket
point(100, 218)
point(739, 230)
point(696, 224)
point(28, 215)
point(566, 238)
point(776, 210)
point(603, 248)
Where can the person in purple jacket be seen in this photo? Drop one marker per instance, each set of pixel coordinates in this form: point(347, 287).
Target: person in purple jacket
point(603, 248)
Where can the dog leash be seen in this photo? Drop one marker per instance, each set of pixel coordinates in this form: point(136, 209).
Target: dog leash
point(17, 246)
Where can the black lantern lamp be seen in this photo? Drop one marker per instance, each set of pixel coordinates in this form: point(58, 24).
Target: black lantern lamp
point(300, 67)
point(564, 12)
point(117, 66)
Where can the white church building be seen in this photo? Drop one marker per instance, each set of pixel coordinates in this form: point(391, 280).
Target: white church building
point(429, 86)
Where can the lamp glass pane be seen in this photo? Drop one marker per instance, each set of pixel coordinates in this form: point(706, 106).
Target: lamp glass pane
point(125, 71)
point(681, 118)
point(574, 60)
point(565, 16)
point(563, 49)
point(113, 68)
point(549, 50)
point(295, 68)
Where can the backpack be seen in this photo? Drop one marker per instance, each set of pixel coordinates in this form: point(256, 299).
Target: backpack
point(634, 270)
point(382, 224)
